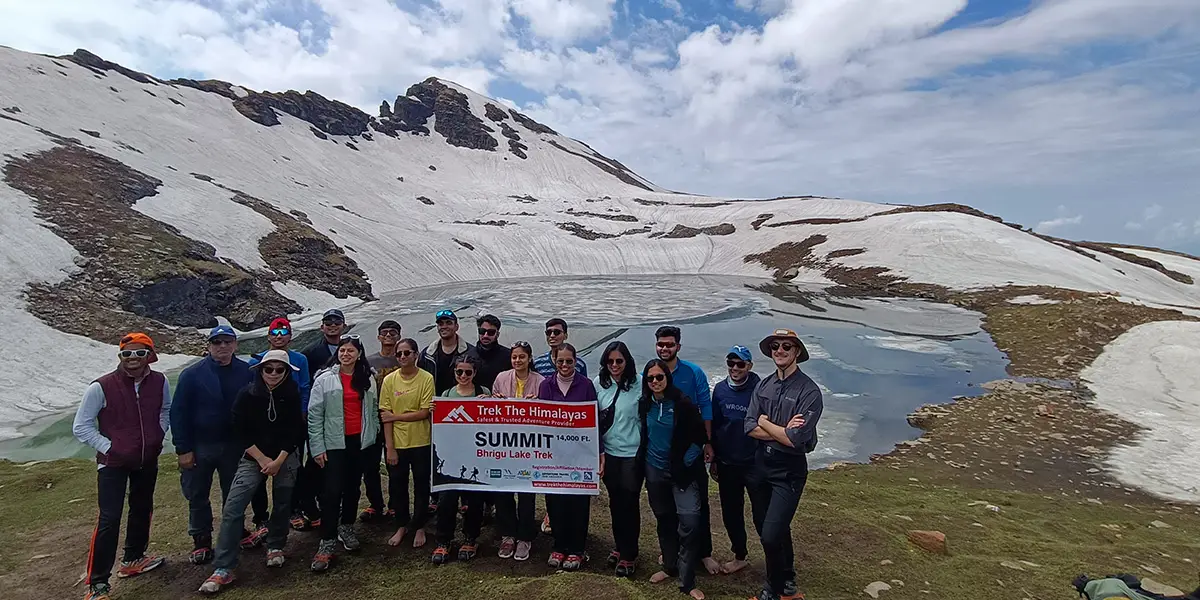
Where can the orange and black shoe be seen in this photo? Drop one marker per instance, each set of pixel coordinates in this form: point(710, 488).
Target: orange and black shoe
point(370, 515)
point(301, 522)
point(324, 556)
point(254, 538)
point(626, 568)
point(791, 592)
point(468, 550)
point(98, 591)
point(133, 568)
point(614, 557)
point(441, 554)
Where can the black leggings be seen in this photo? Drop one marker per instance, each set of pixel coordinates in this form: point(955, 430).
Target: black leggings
point(342, 475)
point(417, 461)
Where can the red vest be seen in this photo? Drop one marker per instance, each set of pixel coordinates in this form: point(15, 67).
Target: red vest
point(130, 419)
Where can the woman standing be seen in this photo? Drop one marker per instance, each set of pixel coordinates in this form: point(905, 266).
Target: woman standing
point(269, 423)
point(569, 513)
point(515, 516)
point(405, 403)
point(618, 389)
point(465, 366)
point(673, 438)
point(343, 411)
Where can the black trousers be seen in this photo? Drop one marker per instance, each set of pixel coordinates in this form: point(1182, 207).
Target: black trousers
point(418, 462)
point(776, 483)
point(111, 484)
point(308, 490)
point(515, 515)
point(342, 474)
point(372, 480)
point(447, 515)
point(262, 513)
point(732, 487)
point(569, 516)
point(623, 479)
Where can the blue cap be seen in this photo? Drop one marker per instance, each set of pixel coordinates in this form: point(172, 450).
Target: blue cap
point(220, 330)
point(741, 352)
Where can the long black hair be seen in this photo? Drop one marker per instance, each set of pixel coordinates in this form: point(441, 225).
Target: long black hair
point(361, 379)
point(671, 392)
point(628, 375)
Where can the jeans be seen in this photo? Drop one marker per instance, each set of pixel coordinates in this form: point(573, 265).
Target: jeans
point(111, 483)
point(419, 461)
point(372, 480)
point(678, 512)
point(246, 483)
point(776, 483)
point(623, 478)
point(732, 486)
point(196, 483)
point(342, 475)
point(569, 516)
point(447, 515)
point(515, 516)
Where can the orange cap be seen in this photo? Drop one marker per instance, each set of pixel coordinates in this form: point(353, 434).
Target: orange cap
point(140, 338)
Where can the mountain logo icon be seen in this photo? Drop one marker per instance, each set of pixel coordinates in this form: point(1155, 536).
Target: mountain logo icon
point(458, 415)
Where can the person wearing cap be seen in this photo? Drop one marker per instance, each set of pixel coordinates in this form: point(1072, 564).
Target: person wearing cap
point(279, 337)
point(734, 450)
point(494, 357)
point(124, 417)
point(693, 382)
point(783, 414)
point(442, 353)
point(556, 335)
point(269, 426)
point(201, 422)
point(333, 325)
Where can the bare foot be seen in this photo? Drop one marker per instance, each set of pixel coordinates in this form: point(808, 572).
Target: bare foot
point(419, 538)
point(395, 539)
point(659, 577)
point(697, 594)
point(734, 566)
point(712, 566)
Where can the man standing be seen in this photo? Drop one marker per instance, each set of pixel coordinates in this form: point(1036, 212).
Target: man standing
point(693, 382)
point(441, 353)
point(494, 358)
point(124, 416)
point(383, 362)
point(333, 325)
point(782, 415)
point(309, 480)
point(202, 422)
point(556, 334)
point(734, 449)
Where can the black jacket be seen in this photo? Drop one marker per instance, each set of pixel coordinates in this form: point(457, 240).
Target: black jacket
point(492, 362)
point(688, 430)
point(318, 356)
point(269, 419)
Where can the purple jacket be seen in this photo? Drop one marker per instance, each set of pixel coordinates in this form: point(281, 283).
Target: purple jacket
point(581, 390)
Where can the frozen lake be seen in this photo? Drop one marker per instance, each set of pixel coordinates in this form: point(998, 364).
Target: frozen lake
point(876, 359)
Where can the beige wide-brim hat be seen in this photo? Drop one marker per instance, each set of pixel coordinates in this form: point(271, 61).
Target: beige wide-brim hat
point(277, 356)
point(783, 334)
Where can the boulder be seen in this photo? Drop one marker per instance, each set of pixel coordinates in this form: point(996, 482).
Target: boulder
point(929, 541)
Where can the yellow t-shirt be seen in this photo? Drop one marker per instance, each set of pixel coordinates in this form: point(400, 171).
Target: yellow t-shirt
point(520, 387)
point(399, 395)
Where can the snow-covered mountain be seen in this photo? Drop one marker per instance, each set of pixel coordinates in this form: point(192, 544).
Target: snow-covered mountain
point(127, 199)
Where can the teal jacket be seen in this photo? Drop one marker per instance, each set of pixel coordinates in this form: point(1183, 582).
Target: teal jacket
point(327, 424)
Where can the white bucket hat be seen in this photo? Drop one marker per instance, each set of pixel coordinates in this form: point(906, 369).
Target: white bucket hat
point(277, 356)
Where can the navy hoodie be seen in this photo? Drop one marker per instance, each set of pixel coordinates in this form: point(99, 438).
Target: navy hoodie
point(202, 408)
point(730, 442)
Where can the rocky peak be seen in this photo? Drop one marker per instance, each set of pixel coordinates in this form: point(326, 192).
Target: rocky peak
point(331, 116)
point(98, 65)
point(452, 111)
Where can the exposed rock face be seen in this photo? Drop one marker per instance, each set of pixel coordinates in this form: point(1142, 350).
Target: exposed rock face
point(331, 116)
point(410, 116)
point(530, 124)
point(683, 231)
point(621, 174)
point(212, 86)
point(494, 112)
point(385, 111)
point(452, 115)
point(98, 65)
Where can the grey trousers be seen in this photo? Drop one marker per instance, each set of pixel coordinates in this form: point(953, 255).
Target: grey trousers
point(233, 517)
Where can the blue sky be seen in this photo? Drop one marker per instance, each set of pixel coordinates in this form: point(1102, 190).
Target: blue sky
point(1080, 117)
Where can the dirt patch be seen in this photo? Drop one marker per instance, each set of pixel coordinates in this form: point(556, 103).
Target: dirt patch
point(846, 252)
point(763, 218)
point(1142, 261)
point(945, 207)
point(706, 204)
point(588, 234)
point(352, 146)
point(301, 216)
point(607, 217)
point(12, 110)
point(605, 166)
point(645, 202)
point(816, 221)
point(788, 258)
point(463, 244)
point(176, 102)
point(683, 231)
point(489, 223)
point(526, 199)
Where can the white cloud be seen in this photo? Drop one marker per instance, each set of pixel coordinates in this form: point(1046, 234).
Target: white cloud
point(1152, 212)
point(1059, 223)
point(672, 5)
point(566, 20)
point(766, 7)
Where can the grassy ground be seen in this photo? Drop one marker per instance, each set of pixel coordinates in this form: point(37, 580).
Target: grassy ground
point(1059, 514)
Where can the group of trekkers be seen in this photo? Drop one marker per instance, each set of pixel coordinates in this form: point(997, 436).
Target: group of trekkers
point(317, 425)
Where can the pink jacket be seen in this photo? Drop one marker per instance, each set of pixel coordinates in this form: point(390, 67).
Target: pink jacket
point(506, 384)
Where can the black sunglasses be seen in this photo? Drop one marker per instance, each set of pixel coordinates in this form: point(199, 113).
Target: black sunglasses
point(666, 344)
point(332, 322)
point(405, 352)
point(462, 372)
point(735, 364)
point(615, 361)
point(657, 377)
point(524, 345)
point(565, 361)
point(274, 370)
point(389, 333)
point(487, 331)
point(550, 332)
point(786, 347)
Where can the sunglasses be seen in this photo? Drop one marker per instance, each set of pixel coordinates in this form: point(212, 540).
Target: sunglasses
point(280, 331)
point(463, 372)
point(564, 361)
point(489, 332)
point(656, 378)
point(524, 345)
point(666, 344)
point(735, 364)
point(221, 342)
point(785, 346)
point(389, 333)
point(615, 361)
point(143, 353)
point(445, 314)
point(274, 370)
point(332, 322)
point(554, 332)
point(404, 352)
point(350, 337)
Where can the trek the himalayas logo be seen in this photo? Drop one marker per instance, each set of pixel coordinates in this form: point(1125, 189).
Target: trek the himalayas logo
point(458, 415)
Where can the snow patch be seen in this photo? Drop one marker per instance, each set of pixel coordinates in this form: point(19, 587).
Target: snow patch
point(233, 229)
point(312, 300)
point(909, 344)
point(239, 91)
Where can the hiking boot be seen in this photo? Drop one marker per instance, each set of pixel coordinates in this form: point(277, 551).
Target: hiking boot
point(369, 515)
point(556, 560)
point(98, 591)
point(574, 562)
point(625, 568)
point(523, 549)
point(219, 579)
point(546, 525)
point(441, 554)
point(468, 550)
point(301, 523)
point(389, 515)
point(275, 558)
point(316, 523)
point(133, 568)
point(255, 539)
point(345, 535)
point(508, 547)
point(790, 591)
point(324, 557)
point(614, 557)
point(202, 551)
point(765, 595)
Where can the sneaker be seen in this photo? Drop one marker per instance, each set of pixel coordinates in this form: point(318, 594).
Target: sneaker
point(98, 591)
point(219, 579)
point(432, 507)
point(790, 591)
point(275, 558)
point(301, 523)
point(625, 568)
point(523, 549)
point(389, 515)
point(546, 525)
point(556, 560)
point(468, 550)
point(324, 556)
point(369, 515)
point(315, 523)
point(574, 562)
point(133, 568)
point(614, 557)
point(765, 595)
point(202, 550)
point(441, 555)
point(255, 539)
point(345, 535)
point(508, 547)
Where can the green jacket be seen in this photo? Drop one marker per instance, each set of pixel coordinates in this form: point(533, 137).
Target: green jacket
point(327, 424)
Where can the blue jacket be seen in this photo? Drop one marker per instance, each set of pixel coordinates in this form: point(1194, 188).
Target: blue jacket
point(201, 411)
point(301, 377)
point(730, 442)
point(691, 380)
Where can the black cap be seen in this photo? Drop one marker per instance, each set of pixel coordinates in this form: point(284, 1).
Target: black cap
point(390, 324)
point(333, 312)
